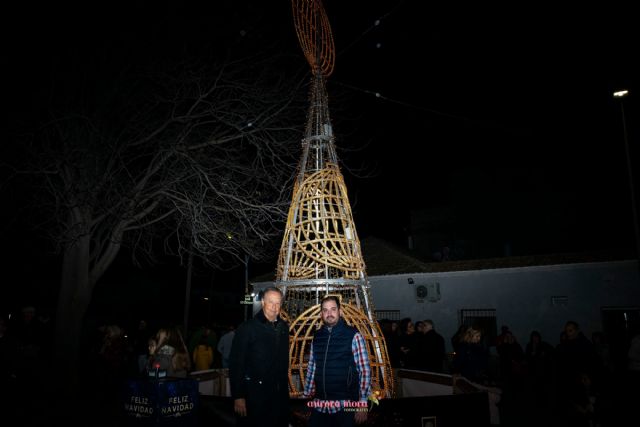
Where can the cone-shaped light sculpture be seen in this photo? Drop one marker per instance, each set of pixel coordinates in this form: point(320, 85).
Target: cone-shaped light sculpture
point(320, 251)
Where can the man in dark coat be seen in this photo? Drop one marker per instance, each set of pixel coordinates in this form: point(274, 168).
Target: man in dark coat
point(259, 366)
point(433, 348)
point(575, 356)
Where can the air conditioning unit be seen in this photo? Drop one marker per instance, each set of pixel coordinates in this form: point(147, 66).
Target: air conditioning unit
point(428, 291)
point(433, 292)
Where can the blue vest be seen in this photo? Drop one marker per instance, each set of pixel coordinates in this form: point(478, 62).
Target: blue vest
point(336, 376)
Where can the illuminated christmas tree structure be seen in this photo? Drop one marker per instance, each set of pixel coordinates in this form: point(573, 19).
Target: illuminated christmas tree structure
point(320, 253)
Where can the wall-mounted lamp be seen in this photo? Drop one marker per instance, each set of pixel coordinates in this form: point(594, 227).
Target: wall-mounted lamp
point(410, 280)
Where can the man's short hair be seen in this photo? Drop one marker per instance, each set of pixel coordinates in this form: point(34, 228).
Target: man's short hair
point(271, 289)
point(572, 323)
point(335, 298)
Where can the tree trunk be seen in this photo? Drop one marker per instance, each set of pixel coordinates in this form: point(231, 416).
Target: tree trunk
point(73, 301)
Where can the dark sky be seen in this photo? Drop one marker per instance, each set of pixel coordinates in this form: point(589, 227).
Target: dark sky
point(502, 112)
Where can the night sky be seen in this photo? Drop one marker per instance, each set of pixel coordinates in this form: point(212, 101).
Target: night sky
point(504, 113)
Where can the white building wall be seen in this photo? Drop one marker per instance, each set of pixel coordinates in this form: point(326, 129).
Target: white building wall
point(521, 296)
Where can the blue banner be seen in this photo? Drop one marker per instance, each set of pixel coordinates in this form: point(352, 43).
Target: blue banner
point(164, 402)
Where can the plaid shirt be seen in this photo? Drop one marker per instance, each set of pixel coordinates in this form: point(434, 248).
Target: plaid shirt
point(360, 357)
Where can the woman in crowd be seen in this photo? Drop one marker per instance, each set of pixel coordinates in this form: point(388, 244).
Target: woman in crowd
point(471, 359)
point(171, 353)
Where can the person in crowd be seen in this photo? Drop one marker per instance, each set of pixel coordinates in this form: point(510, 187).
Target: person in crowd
point(408, 346)
point(631, 390)
point(511, 363)
point(29, 336)
point(504, 331)
point(471, 359)
point(581, 409)
point(511, 359)
point(8, 352)
point(457, 337)
point(196, 338)
point(224, 345)
point(152, 346)
point(633, 357)
point(575, 356)
point(338, 370)
point(539, 356)
point(140, 346)
point(420, 346)
point(432, 356)
point(390, 332)
point(603, 352)
point(563, 337)
point(112, 357)
point(203, 355)
point(259, 366)
point(171, 354)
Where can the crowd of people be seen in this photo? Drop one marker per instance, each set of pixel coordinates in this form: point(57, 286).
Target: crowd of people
point(23, 343)
point(572, 381)
point(569, 384)
point(110, 354)
point(116, 355)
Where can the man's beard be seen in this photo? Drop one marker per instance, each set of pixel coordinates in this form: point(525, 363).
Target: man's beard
point(331, 321)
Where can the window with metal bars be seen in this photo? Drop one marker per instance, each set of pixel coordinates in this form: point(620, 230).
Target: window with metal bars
point(387, 314)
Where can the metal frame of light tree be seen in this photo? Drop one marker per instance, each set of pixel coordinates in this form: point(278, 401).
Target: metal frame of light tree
point(320, 251)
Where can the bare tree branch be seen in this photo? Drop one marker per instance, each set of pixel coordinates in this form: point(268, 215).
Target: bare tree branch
point(204, 162)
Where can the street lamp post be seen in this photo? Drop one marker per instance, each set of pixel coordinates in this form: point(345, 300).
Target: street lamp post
point(246, 284)
point(620, 95)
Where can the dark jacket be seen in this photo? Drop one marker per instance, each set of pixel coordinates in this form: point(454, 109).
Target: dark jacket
point(433, 351)
point(259, 369)
point(471, 361)
point(573, 357)
point(336, 376)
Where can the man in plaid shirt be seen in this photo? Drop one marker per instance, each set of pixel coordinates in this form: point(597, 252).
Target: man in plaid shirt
point(339, 373)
